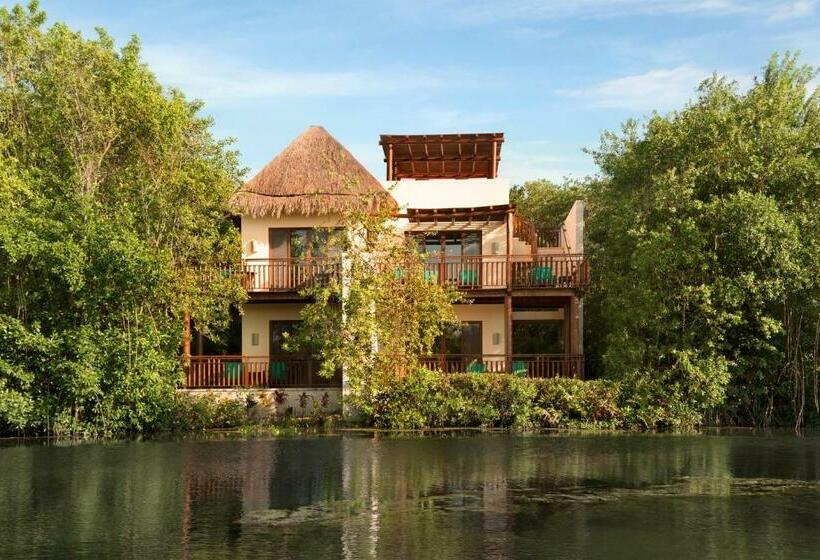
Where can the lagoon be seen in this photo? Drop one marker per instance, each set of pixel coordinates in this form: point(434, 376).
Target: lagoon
point(452, 495)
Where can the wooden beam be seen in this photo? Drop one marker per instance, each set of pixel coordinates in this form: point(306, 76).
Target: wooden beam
point(494, 164)
point(390, 162)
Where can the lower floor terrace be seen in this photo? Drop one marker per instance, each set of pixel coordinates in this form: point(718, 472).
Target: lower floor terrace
point(532, 337)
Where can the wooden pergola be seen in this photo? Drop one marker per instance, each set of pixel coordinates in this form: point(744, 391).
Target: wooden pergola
point(442, 156)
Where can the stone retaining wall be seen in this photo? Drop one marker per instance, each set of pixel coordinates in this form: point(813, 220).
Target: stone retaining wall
point(296, 401)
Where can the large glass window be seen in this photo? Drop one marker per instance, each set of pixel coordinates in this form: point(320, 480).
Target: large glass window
point(300, 243)
point(462, 339)
point(538, 337)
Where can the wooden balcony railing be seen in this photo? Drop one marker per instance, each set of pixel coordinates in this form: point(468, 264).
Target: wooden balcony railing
point(287, 275)
point(226, 372)
point(527, 271)
point(524, 230)
point(479, 272)
point(215, 372)
point(522, 365)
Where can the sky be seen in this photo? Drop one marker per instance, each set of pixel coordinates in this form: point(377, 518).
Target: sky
point(550, 75)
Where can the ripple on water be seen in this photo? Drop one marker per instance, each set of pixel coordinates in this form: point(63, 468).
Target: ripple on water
point(344, 510)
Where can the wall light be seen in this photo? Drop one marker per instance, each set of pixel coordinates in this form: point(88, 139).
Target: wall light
point(255, 339)
point(496, 338)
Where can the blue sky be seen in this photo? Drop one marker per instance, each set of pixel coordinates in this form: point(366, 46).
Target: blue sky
point(551, 75)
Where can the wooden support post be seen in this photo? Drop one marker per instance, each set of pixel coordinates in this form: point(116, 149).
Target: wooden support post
point(508, 218)
point(508, 320)
point(186, 341)
point(390, 162)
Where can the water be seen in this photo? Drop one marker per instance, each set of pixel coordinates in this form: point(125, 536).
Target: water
point(458, 496)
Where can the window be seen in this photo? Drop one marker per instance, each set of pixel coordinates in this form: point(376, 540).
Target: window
point(449, 243)
point(464, 339)
point(300, 243)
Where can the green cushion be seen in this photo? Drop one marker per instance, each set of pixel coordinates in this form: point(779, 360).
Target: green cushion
point(541, 274)
point(519, 369)
point(469, 277)
point(399, 272)
point(431, 275)
point(233, 371)
point(278, 370)
point(476, 367)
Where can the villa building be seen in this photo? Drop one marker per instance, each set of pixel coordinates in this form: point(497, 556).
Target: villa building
point(525, 284)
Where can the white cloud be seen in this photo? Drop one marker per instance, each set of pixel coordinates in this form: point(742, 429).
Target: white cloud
point(493, 12)
point(793, 10)
point(658, 89)
point(217, 78)
point(528, 10)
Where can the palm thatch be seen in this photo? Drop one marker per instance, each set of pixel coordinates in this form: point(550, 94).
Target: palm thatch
point(314, 175)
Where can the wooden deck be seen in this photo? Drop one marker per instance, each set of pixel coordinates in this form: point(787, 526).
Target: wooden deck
point(225, 372)
point(468, 273)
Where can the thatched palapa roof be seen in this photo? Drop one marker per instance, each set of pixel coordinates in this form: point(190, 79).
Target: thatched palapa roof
point(314, 175)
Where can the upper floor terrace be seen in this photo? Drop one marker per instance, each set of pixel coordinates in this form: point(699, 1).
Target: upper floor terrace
point(444, 192)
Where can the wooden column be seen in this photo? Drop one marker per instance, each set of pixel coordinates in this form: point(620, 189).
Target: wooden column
point(508, 323)
point(508, 342)
point(494, 161)
point(508, 218)
point(390, 162)
point(186, 341)
point(574, 327)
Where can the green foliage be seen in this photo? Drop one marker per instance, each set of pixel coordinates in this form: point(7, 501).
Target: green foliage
point(546, 203)
point(382, 313)
point(704, 239)
point(427, 399)
point(113, 207)
point(196, 413)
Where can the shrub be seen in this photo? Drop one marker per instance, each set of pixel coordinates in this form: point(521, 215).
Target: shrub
point(429, 399)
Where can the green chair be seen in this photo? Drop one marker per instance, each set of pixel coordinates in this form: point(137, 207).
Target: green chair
point(476, 367)
point(399, 272)
point(519, 369)
point(431, 276)
point(469, 277)
point(541, 274)
point(233, 371)
point(278, 371)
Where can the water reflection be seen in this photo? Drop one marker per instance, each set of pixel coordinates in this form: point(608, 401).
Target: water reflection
point(360, 497)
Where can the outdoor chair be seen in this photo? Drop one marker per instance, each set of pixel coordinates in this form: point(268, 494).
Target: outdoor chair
point(519, 369)
point(233, 372)
point(278, 371)
point(541, 274)
point(476, 367)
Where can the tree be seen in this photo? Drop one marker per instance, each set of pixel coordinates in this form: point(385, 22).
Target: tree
point(382, 313)
point(546, 203)
point(705, 248)
point(113, 202)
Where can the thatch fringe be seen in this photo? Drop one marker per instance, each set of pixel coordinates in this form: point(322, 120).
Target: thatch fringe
point(315, 204)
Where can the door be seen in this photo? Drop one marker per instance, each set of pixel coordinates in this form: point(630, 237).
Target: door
point(284, 366)
point(276, 276)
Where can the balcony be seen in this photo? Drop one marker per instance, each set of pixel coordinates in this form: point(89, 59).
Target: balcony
point(469, 273)
point(234, 372)
point(226, 372)
point(539, 366)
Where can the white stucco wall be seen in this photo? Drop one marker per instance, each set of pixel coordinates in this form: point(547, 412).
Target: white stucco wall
point(256, 320)
point(492, 321)
point(449, 193)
